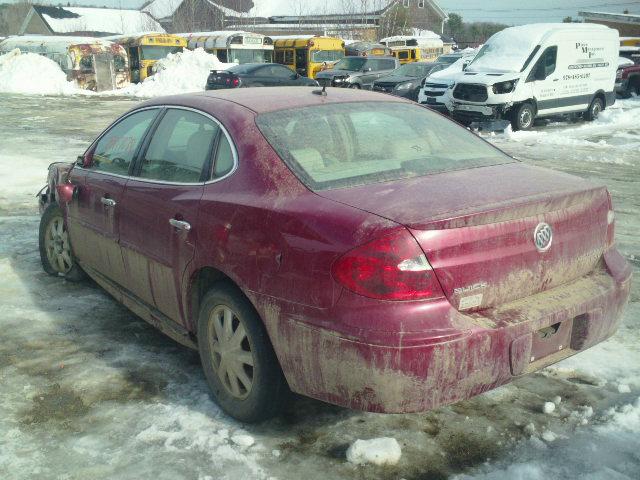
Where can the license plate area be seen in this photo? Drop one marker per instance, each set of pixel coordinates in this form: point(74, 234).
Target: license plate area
point(431, 100)
point(551, 339)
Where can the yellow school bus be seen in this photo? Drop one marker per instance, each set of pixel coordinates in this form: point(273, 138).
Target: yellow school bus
point(306, 54)
point(414, 49)
point(145, 50)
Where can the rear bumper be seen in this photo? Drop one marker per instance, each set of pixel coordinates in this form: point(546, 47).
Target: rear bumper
point(479, 352)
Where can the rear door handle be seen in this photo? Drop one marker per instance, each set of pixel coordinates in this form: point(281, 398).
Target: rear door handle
point(108, 202)
point(180, 224)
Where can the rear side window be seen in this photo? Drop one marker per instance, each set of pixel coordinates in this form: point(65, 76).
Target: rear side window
point(224, 158)
point(180, 148)
point(347, 144)
point(114, 152)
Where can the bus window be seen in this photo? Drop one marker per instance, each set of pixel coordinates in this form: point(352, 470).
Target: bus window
point(119, 63)
point(86, 63)
point(288, 57)
point(156, 52)
point(320, 56)
point(250, 56)
point(279, 56)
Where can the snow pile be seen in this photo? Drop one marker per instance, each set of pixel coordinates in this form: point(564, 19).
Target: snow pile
point(379, 451)
point(32, 73)
point(182, 72)
point(548, 407)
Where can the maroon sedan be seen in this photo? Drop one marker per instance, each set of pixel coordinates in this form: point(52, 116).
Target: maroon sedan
point(355, 247)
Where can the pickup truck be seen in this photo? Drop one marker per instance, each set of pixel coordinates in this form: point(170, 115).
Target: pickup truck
point(628, 81)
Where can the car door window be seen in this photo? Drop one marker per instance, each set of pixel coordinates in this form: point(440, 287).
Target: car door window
point(114, 152)
point(180, 148)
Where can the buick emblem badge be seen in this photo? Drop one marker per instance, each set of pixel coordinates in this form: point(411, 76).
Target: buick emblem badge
point(542, 237)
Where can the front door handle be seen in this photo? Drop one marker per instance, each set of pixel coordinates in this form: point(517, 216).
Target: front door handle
point(108, 202)
point(180, 224)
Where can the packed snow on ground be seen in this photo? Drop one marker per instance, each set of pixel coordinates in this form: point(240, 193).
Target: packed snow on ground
point(88, 390)
point(34, 74)
point(181, 72)
point(378, 451)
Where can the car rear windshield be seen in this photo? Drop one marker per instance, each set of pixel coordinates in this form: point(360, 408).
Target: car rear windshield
point(348, 144)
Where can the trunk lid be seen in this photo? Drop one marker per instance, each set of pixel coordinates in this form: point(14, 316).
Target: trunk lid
point(477, 226)
point(222, 79)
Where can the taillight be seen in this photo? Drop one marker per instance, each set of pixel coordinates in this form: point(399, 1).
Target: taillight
point(392, 267)
point(611, 222)
point(236, 82)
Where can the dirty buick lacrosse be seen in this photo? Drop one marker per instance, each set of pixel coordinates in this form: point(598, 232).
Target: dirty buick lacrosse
point(352, 247)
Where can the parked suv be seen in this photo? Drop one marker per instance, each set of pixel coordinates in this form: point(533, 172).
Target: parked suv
point(358, 72)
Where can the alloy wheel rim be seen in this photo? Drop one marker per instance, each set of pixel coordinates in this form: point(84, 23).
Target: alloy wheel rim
point(525, 118)
point(56, 242)
point(596, 110)
point(232, 358)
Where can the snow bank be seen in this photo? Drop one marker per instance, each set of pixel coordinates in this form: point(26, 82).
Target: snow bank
point(34, 74)
point(181, 72)
point(379, 451)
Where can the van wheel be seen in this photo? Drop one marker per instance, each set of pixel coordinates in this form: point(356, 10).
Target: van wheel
point(238, 360)
point(594, 109)
point(523, 117)
point(56, 255)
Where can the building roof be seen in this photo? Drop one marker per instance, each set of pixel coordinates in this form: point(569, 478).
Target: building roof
point(283, 9)
point(98, 20)
point(611, 17)
point(161, 9)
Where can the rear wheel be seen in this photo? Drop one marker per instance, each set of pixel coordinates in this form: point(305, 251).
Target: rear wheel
point(355, 85)
point(56, 255)
point(597, 105)
point(237, 357)
point(523, 117)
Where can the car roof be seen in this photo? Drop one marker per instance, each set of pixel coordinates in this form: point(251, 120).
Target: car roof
point(270, 99)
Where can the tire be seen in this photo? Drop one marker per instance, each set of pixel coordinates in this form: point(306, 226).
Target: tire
point(355, 85)
point(56, 254)
point(249, 393)
point(523, 117)
point(596, 106)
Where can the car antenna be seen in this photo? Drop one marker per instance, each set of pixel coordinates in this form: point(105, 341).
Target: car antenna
point(322, 92)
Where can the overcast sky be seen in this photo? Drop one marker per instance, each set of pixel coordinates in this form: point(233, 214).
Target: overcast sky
point(504, 11)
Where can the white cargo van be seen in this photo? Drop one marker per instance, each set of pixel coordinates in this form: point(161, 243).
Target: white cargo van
point(539, 70)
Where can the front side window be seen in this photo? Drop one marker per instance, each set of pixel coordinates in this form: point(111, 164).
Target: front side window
point(403, 54)
point(347, 144)
point(114, 152)
point(180, 148)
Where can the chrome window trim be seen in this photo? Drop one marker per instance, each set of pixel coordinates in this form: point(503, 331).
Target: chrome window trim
point(234, 151)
